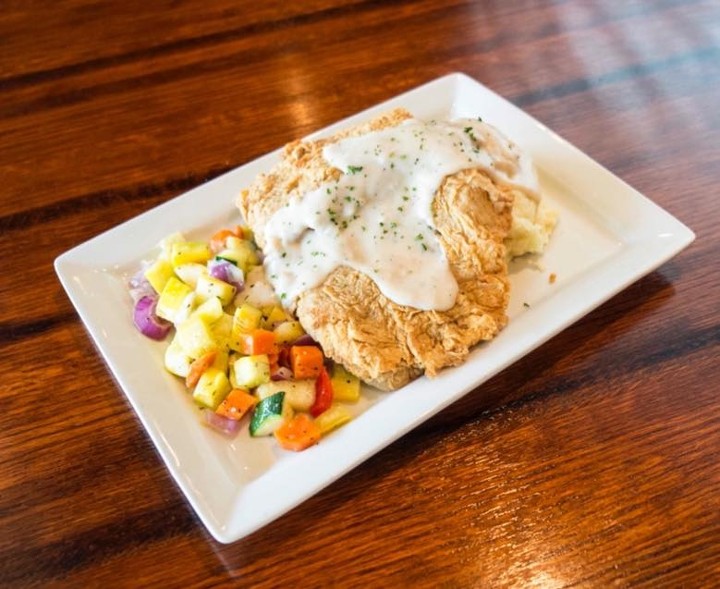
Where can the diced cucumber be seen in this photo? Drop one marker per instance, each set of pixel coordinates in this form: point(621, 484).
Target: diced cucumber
point(176, 300)
point(208, 287)
point(345, 386)
point(241, 253)
point(269, 415)
point(251, 371)
point(332, 418)
point(300, 394)
point(158, 273)
point(212, 388)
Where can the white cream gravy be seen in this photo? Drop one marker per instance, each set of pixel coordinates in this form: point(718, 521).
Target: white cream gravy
point(377, 218)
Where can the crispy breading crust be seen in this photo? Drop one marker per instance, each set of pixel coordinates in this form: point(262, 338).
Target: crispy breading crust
point(383, 343)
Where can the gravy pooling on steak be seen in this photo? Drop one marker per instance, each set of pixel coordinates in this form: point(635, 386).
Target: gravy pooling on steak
point(376, 216)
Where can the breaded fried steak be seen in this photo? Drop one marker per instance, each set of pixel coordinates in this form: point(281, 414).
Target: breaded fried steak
point(349, 311)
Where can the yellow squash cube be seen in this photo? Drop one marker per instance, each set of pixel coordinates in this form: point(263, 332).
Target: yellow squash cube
point(209, 311)
point(273, 316)
point(167, 243)
point(176, 300)
point(158, 274)
point(246, 319)
point(196, 337)
point(190, 252)
point(221, 359)
point(222, 330)
point(176, 360)
point(208, 287)
point(332, 419)
point(346, 386)
point(212, 388)
point(189, 273)
point(288, 331)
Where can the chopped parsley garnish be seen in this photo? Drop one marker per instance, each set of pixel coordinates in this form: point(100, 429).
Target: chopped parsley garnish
point(354, 169)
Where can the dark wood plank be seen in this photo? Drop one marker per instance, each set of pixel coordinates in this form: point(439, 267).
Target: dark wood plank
point(591, 462)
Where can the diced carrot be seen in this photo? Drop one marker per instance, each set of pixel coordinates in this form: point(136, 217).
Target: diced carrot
point(217, 241)
point(298, 433)
point(274, 362)
point(306, 361)
point(258, 341)
point(199, 366)
point(236, 404)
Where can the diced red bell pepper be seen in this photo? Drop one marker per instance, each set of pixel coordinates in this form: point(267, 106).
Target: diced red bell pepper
point(323, 394)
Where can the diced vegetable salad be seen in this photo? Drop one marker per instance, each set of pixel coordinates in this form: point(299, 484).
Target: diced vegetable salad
point(243, 357)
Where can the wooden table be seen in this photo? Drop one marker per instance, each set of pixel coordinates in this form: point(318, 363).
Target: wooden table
point(592, 462)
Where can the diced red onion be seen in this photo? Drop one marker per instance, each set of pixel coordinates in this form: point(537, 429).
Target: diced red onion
point(147, 321)
point(139, 286)
point(227, 272)
point(282, 373)
point(143, 290)
point(284, 357)
point(139, 277)
point(229, 427)
point(305, 340)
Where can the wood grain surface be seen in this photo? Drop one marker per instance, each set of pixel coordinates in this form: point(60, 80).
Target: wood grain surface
point(592, 462)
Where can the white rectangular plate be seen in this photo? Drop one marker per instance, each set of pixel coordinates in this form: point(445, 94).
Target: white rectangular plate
point(608, 236)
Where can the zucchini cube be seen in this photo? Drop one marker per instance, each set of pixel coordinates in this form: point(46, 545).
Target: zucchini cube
point(251, 371)
point(299, 394)
point(241, 253)
point(269, 415)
